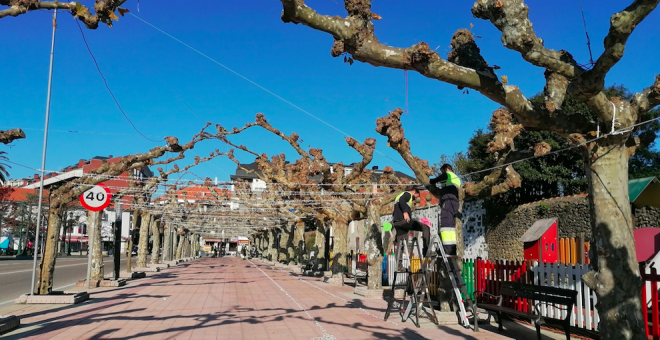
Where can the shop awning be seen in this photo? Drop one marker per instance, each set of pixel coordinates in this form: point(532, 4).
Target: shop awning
point(76, 239)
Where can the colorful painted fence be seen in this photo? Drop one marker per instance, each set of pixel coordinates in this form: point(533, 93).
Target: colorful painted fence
point(584, 314)
point(650, 302)
point(573, 251)
point(489, 276)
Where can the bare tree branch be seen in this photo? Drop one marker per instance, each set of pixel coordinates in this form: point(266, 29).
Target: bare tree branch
point(103, 10)
point(367, 152)
point(465, 68)
point(9, 136)
point(622, 24)
point(391, 128)
point(647, 99)
point(511, 17)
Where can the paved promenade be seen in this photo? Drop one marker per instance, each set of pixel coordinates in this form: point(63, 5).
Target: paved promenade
point(230, 298)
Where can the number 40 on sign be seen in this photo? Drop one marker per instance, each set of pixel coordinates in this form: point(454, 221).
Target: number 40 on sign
point(96, 199)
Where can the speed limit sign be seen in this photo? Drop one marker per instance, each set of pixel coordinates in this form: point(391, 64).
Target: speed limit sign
point(96, 198)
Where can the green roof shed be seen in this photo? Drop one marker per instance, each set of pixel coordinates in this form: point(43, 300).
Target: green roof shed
point(644, 192)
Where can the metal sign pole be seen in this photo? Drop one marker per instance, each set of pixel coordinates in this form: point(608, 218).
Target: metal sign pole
point(90, 250)
point(35, 252)
point(117, 245)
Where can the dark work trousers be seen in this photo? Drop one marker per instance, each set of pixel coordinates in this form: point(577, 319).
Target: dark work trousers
point(403, 228)
point(449, 210)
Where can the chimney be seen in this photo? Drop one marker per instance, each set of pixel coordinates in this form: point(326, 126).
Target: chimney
point(81, 163)
point(375, 167)
point(110, 157)
point(36, 176)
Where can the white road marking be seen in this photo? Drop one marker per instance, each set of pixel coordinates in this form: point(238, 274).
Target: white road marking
point(56, 266)
point(58, 288)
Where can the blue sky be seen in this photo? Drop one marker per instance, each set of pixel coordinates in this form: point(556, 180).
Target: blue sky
point(155, 78)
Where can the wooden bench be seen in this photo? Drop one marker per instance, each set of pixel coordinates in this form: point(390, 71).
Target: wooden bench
point(564, 299)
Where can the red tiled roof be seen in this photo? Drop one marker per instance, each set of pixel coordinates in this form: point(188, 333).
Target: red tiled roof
point(18, 194)
point(198, 193)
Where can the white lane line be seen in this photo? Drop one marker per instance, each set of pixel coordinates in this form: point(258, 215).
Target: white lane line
point(349, 303)
point(58, 288)
point(325, 336)
point(56, 267)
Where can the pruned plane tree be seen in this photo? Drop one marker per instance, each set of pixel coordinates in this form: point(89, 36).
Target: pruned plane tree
point(69, 192)
point(615, 277)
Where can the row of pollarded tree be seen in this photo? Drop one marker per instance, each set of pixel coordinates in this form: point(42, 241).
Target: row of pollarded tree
point(615, 278)
point(138, 193)
point(311, 189)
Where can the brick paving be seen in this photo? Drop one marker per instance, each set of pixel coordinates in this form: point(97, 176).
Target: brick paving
point(229, 298)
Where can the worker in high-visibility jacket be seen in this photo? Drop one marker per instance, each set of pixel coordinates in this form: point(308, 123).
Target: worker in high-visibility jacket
point(449, 185)
point(402, 219)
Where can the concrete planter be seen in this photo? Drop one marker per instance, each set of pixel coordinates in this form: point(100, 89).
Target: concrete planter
point(147, 269)
point(334, 280)
point(8, 323)
point(53, 298)
point(159, 265)
point(113, 283)
point(132, 275)
point(368, 293)
point(102, 283)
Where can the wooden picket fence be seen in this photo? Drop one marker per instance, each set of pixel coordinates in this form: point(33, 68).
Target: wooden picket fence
point(489, 275)
point(584, 314)
point(650, 302)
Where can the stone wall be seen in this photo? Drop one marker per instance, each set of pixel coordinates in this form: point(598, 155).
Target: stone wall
point(572, 214)
point(647, 217)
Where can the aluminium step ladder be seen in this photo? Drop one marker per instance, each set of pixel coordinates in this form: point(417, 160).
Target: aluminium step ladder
point(419, 298)
point(454, 271)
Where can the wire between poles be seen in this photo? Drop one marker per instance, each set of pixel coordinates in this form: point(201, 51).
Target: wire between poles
point(108, 87)
point(257, 85)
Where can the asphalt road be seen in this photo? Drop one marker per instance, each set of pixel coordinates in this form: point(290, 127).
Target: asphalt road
point(16, 275)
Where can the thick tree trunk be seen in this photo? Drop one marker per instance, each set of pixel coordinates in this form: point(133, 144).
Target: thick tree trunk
point(319, 249)
point(186, 246)
point(175, 246)
point(155, 247)
point(373, 245)
point(167, 247)
point(258, 241)
point(137, 221)
point(615, 277)
point(286, 243)
point(298, 240)
point(272, 244)
point(47, 268)
point(263, 250)
point(339, 247)
point(143, 245)
point(62, 244)
point(94, 224)
point(460, 242)
point(179, 248)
